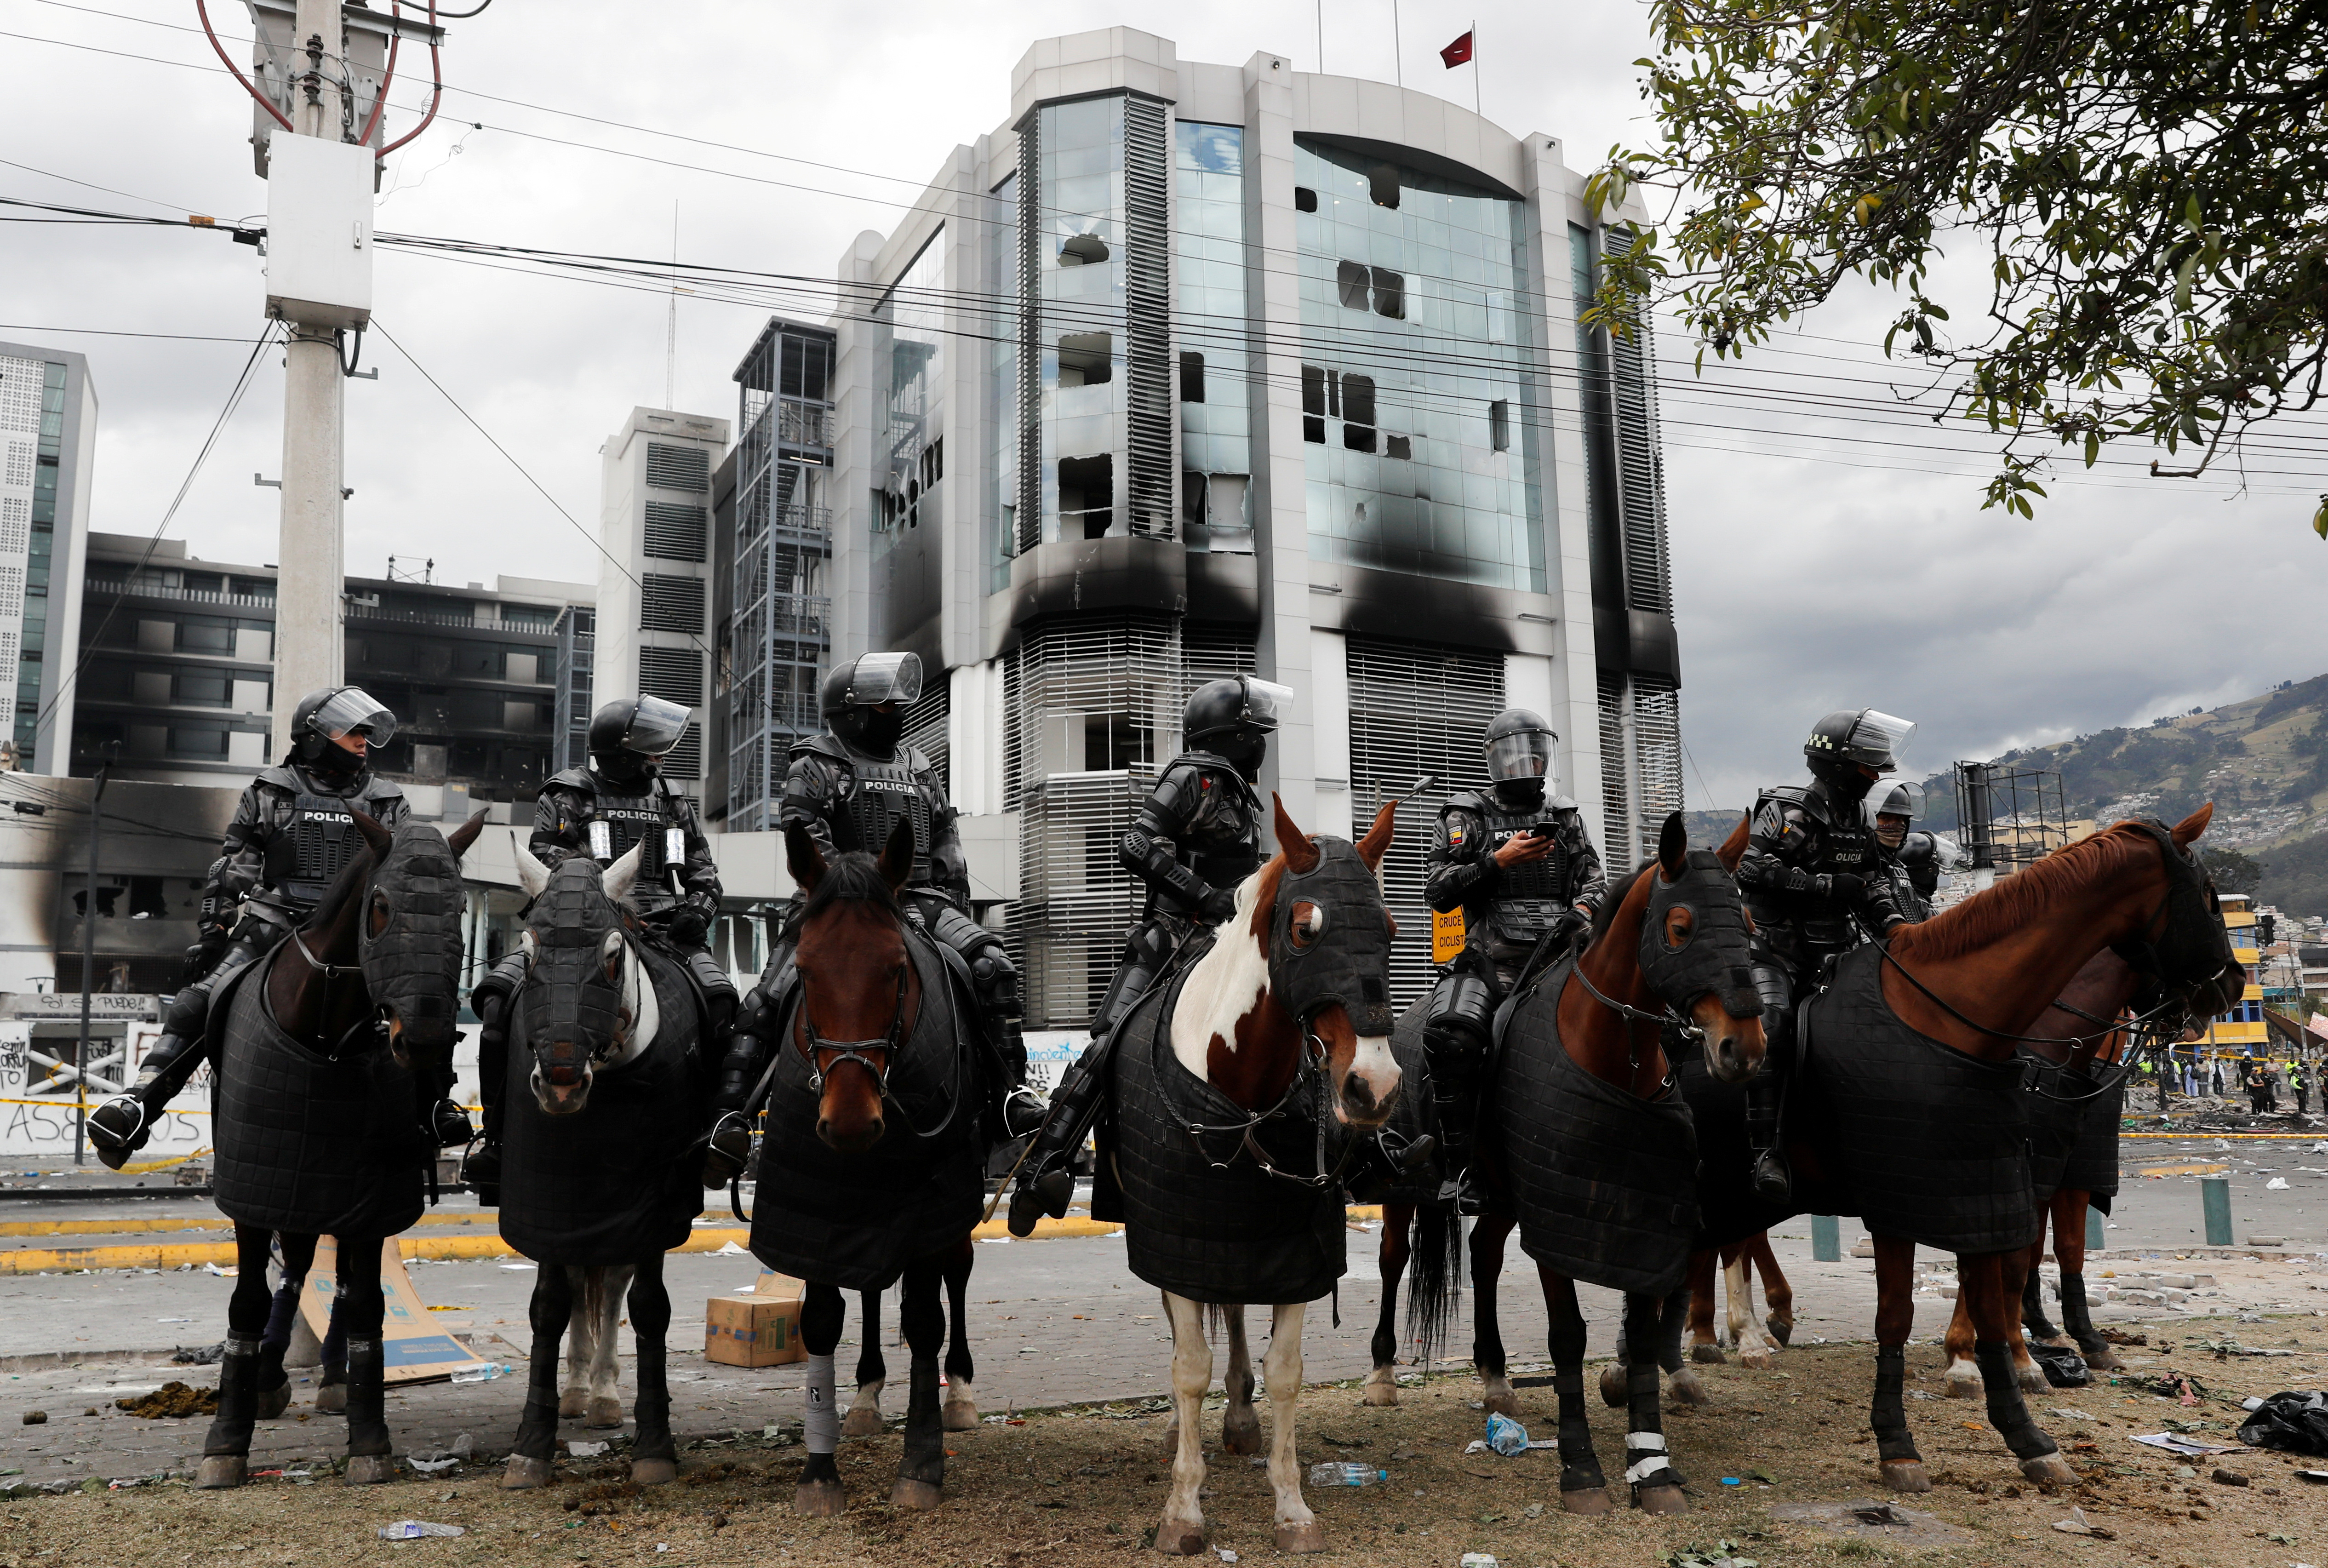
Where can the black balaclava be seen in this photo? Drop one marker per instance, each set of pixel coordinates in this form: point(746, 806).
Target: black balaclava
point(1242, 750)
point(1846, 782)
point(1520, 794)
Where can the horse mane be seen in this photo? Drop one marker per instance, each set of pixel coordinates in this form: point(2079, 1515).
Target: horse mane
point(855, 878)
point(352, 877)
point(1614, 898)
point(2021, 897)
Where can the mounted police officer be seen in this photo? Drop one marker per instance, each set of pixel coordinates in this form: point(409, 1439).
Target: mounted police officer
point(1816, 886)
point(1517, 860)
point(849, 788)
point(1910, 859)
point(292, 833)
point(617, 802)
point(1195, 840)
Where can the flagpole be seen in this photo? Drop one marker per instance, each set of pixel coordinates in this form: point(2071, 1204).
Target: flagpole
point(1475, 100)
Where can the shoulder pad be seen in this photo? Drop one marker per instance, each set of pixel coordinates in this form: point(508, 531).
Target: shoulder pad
point(281, 778)
point(1467, 801)
point(1210, 762)
point(1785, 794)
point(1564, 804)
point(575, 778)
point(382, 789)
point(826, 745)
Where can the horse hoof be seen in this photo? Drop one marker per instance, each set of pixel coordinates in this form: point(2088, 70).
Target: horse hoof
point(1662, 1501)
point(1308, 1535)
point(573, 1405)
point(1591, 1500)
point(1382, 1387)
point(220, 1470)
point(1689, 1387)
point(603, 1413)
point(1906, 1476)
point(862, 1420)
point(274, 1401)
point(1708, 1354)
point(524, 1475)
point(1241, 1431)
point(2049, 1470)
point(1782, 1329)
point(2101, 1359)
point(919, 1496)
point(959, 1415)
point(369, 1470)
point(1757, 1358)
point(1180, 1538)
point(331, 1399)
point(1612, 1386)
point(655, 1472)
point(1503, 1401)
point(1964, 1384)
point(820, 1501)
point(2032, 1379)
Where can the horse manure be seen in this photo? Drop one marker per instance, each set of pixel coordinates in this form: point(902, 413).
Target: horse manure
point(172, 1402)
point(36, 1418)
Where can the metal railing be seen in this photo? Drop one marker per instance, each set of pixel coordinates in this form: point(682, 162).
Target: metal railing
point(154, 590)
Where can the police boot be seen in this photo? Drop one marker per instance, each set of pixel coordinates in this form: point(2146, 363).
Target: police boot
point(1772, 1181)
point(1384, 1163)
point(1023, 1109)
point(1046, 1182)
point(226, 1448)
point(1457, 1115)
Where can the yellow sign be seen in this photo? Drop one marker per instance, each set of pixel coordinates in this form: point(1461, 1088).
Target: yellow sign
point(1445, 934)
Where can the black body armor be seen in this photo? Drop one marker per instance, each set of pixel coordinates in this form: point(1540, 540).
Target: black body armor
point(847, 799)
point(293, 833)
point(1507, 910)
point(1802, 839)
point(634, 815)
point(1198, 832)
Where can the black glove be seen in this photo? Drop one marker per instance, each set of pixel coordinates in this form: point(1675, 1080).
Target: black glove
point(689, 926)
point(725, 1155)
point(118, 1129)
point(1219, 906)
point(1842, 885)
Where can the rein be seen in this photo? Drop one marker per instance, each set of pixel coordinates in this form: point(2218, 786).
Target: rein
point(2109, 1028)
point(331, 971)
point(1672, 1015)
point(1311, 1071)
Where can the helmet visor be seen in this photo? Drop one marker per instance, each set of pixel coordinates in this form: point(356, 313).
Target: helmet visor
point(1265, 703)
point(880, 677)
point(1878, 740)
point(656, 728)
point(351, 708)
point(1525, 755)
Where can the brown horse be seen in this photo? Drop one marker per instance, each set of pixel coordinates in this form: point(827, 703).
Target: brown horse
point(1975, 979)
point(1757, 1337)
point(872, 1161)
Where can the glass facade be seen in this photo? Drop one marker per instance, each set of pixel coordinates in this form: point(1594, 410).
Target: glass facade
point(1419, 422)
point(1079, 257)
point(1000, 503)
point(1210, 305)
point(909, 327)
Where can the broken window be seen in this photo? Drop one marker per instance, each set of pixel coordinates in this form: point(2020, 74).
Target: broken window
point(1358, 413)
point(1192, 499)
point(1390, 294)
point(1500, 425)
point(1399, 447)
point(1382, 180)
point(1086, 496)
point(1313, 404)
point(1351, 277)
point(1083, 250)
point(1086, 359)
point(1192, 377)
point(1305, 200)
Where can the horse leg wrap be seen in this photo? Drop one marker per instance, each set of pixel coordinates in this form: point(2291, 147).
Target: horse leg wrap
point(652, 1411)
point(2006, 1410)
point(1889, 1417)
point(367, 1399)
point(1645, 1446)
point(237, 1405)
point(821, 1425)
point(2034, 1322)
point(1580, 1467)
point(2077, 1317)
point(924, 1456)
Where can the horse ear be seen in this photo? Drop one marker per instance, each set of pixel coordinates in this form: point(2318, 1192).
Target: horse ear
point(1300, 855)
point(802, 859)
point(898, 855)
point(378, 837)
point(1673, 848)
point(2191, 826)
point(1733, 847)
point(466, 833)
point(1376, 843)
point(623, 874)
point(531, 873)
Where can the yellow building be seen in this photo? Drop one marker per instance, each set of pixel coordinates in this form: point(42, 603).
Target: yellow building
point(2241, 1031)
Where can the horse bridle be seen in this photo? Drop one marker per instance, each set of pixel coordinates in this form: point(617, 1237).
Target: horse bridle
point(377, 1023)
point(890, 1043)
point(1310, 1073)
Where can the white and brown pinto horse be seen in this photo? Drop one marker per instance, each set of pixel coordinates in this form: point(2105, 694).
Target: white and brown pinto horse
point(1286, 1018)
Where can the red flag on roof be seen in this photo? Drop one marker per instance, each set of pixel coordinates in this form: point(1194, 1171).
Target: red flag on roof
point(1458, 52)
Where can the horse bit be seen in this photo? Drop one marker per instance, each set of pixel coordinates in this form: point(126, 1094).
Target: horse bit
point(854, 1051)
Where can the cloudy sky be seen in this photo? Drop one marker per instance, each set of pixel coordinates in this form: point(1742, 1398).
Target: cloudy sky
point(1828, 551)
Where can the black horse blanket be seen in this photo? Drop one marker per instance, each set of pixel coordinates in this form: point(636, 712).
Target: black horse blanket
point(855, 1220)
point(1604, 1182)
point(1413, 1115)
point(613, 1182)
point(1728, 1210)
point(1916, 1138)
point(1202, 1219)
point(309, 1143)
point(2092, 1165)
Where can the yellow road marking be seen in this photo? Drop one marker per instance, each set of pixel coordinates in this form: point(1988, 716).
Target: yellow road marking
point(2182, 1170)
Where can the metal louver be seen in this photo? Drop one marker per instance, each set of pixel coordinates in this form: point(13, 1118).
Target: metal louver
point(685, 760)
point(1414, 710)
point(687, 468)
point(1656, 751)
point(1031, 230)
point(926, 725)
point(1640, 468)
point(1151, 412)
point(675, 532)
point(1616, 813)
point(670, 604)
point(673, 674)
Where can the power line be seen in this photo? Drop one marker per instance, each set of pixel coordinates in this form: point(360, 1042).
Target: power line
point(113, 333)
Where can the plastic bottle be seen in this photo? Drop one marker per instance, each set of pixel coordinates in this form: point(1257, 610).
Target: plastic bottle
point(1346, 1473)
point(481, 1374)
point(1505, 1436)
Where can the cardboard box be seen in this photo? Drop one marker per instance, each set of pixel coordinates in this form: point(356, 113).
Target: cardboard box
point(415, 1350)
point(758, 1328)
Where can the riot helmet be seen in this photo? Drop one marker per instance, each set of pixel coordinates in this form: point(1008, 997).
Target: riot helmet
point(1849, 749)
point(865, 701)
point(1233, 718)
point(629, 737)
point(327, 721)
point(1890, 811)
point(1519, 757)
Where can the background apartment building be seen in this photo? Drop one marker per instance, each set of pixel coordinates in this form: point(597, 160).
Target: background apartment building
point(48, 444)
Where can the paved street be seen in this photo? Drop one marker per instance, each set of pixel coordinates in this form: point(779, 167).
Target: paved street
point(1051, 1321)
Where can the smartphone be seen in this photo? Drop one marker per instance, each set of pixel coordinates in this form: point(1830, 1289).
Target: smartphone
point(1542, 831)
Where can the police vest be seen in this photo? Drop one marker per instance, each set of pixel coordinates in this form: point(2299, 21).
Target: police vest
point(874, 796)
point(1528, 896)
point(1221, 842)
point(324, 838)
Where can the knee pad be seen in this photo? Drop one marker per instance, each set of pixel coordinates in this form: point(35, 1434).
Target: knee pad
point(1460, 1018)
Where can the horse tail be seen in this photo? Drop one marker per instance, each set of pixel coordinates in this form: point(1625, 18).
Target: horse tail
point(1434, 1281)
